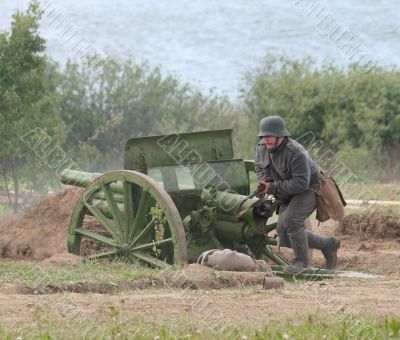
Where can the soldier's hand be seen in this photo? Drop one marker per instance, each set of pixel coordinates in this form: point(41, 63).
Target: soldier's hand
point(266, 187)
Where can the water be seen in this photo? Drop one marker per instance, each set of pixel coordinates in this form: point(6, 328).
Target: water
point(213, 43)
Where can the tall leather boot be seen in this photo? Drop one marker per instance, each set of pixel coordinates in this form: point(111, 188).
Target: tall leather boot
point(299, 244)
point(328, 246)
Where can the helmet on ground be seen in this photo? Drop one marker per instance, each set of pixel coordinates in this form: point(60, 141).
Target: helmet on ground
point(273, 126)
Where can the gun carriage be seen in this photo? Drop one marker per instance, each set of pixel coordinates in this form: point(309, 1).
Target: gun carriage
point(178, 196)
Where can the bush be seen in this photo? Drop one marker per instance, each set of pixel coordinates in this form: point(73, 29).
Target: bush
point(352, 112)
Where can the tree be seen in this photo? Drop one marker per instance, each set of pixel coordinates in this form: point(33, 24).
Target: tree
point(103, 109)
point(25, 96)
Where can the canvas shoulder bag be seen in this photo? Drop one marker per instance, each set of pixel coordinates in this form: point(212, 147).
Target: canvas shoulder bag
point(330, 201)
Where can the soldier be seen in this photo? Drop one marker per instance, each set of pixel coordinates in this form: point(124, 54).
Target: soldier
point(293, 178)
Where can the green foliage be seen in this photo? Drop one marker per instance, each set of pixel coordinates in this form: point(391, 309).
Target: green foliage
point(86, 110)
point(114, 324)
point(352, 112)
point(25, 96)
point(393, 327)
point(113, 274)
point(4, 209)
point(103, 108)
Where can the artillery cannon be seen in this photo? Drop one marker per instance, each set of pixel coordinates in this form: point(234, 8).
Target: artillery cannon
point(178, 196)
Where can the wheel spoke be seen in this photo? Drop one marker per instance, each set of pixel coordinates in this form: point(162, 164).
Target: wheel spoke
point(113, 207)
point(97, 237)
point(133, 259)
point(141, 211)
point(152, 244)
point(137, 220)
point(101, 255)
point(150, 260)
point(128, 207)
point(145, 231)
point(102, 219)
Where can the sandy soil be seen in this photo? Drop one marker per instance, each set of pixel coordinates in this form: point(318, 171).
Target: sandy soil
point(40, 232)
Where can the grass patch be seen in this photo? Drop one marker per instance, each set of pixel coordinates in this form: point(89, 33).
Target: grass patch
point(373, 191)
point(115, 277)
point(393, 210)
point(101, 273)
point(114, 327)
point(5, 209)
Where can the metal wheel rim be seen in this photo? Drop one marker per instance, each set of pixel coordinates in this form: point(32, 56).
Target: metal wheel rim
point(130, 227)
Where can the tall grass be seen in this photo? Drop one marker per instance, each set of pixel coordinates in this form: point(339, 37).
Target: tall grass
point(314, 326)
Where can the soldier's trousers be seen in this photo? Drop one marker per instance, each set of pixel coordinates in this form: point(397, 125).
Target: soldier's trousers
point(293, 214)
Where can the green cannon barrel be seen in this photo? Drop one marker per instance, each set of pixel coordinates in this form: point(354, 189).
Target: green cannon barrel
point(229, 231)
point(78, 178)
point(84, 179)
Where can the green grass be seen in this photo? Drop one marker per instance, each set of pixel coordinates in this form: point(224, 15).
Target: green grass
point(113, 327)
point(5, 209)
point(366, 189)
point(374, 191)
point(392, 210)
point(87, 272)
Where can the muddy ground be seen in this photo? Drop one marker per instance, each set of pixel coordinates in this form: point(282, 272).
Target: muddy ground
point(370, 243)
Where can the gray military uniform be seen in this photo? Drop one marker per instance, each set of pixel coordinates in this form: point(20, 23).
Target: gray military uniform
point(294, 175)
point(294, 178)
point(295, 165)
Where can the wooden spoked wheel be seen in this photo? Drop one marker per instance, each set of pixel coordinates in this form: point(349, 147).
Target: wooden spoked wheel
point(137, 220)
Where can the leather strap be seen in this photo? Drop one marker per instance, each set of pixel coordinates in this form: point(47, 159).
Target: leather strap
point(275, 167)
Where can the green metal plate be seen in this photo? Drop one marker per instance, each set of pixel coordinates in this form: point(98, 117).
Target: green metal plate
point(144, 153)
point(223, 175)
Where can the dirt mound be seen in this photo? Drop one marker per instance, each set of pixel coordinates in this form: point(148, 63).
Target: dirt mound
point(377, 224)
point(62, 259)
point(42, 231)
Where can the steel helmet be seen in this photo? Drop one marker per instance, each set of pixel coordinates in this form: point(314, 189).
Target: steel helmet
point(273, 126)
